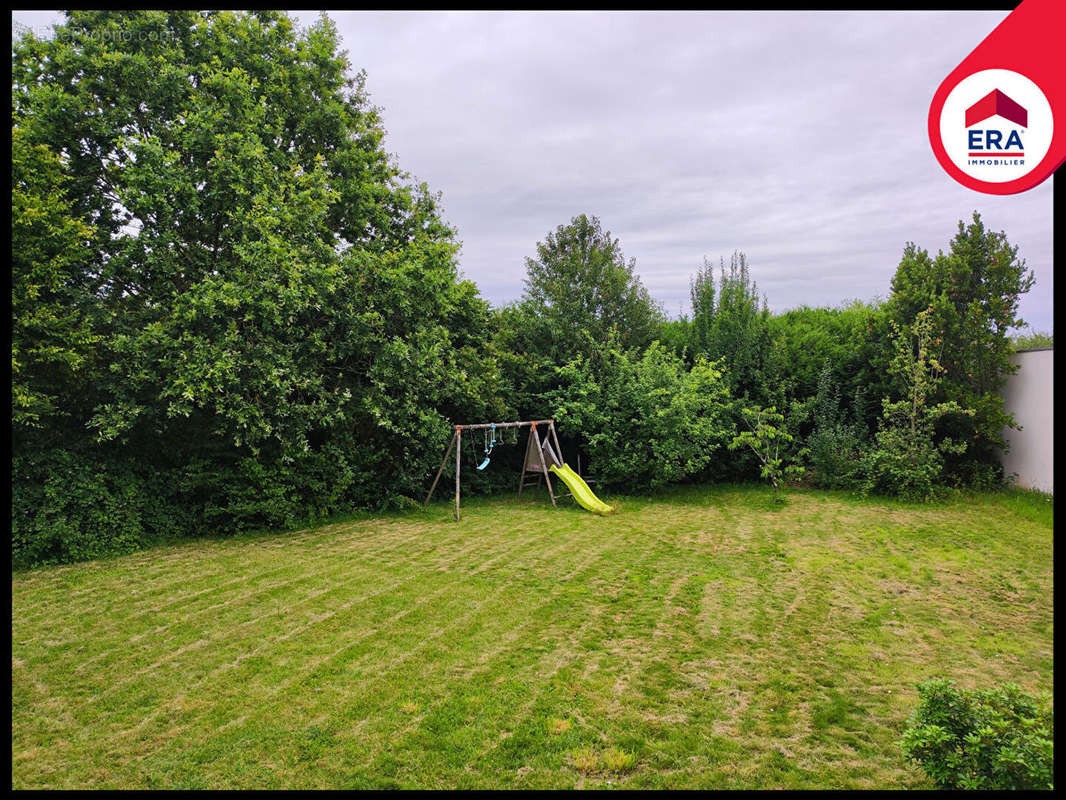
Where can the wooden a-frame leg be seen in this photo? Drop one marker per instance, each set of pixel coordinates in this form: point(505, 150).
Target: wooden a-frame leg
point(440, 471)
point(547, 478)
point(458, 449)
point(525, 458)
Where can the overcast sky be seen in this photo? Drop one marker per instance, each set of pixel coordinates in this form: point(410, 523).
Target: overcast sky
point(797, 137)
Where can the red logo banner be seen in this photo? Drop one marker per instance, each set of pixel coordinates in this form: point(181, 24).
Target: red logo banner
point(997, 123)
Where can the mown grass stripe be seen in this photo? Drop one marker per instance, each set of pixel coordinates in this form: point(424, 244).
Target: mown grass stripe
point(299, 627)
point(313, 575)
point(720, 643)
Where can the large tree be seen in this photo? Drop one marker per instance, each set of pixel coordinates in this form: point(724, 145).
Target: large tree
point(579, 291)
point(273, 307)
point(973, 292)
point(582, 287)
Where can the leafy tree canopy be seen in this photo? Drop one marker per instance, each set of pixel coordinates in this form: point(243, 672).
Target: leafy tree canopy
point(645, 419)
point(731, 322)
point(974, 290)
point(581, 287)
point(220, 270)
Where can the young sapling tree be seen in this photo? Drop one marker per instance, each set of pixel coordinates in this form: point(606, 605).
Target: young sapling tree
point(767, 438)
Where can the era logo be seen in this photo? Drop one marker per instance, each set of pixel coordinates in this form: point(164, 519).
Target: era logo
point(989, 141)
point(1005, 86)
point(992, 140)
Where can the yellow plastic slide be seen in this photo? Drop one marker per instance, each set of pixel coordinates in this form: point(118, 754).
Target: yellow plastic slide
point(580, 490)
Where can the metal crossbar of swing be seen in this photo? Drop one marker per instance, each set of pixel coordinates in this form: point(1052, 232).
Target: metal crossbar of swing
point(531, 462)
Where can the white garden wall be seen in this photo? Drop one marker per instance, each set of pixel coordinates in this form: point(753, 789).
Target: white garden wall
point(1029, 396)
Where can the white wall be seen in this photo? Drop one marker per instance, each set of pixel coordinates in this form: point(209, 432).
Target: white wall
point(1028, 395)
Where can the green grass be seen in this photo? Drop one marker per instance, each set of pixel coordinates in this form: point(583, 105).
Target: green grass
point(701, 638)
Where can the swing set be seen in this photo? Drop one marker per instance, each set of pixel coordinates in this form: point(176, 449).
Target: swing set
point(543, 457)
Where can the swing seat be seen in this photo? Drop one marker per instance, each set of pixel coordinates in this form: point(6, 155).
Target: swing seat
point(484, 463)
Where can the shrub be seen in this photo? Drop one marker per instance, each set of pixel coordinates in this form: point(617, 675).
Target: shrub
point(70, 506)
point(902, 465)
point(997, 738)
point(834, 447)
point(834, 453)
point(853, 340)
point(645, 419)
point(1033, 340)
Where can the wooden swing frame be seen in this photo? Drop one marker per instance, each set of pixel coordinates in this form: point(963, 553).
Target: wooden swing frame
point(534, 460)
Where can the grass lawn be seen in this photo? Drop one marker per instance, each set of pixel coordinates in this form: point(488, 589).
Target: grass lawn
point(698, 639)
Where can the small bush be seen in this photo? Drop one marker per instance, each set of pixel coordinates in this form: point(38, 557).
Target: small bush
point(997, 738)
point(835, 452)
point(986, 478)
point(767, 438)
point(902, 465)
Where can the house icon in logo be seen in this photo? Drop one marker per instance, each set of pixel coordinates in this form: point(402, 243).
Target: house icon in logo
point(997, 103)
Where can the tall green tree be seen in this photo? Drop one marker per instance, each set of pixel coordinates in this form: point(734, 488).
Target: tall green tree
point(974, 290)
point(579, 291)
point(581, 286)
point(52, 338)
point(701, 294)
point(275, 309)
point(730, 321)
